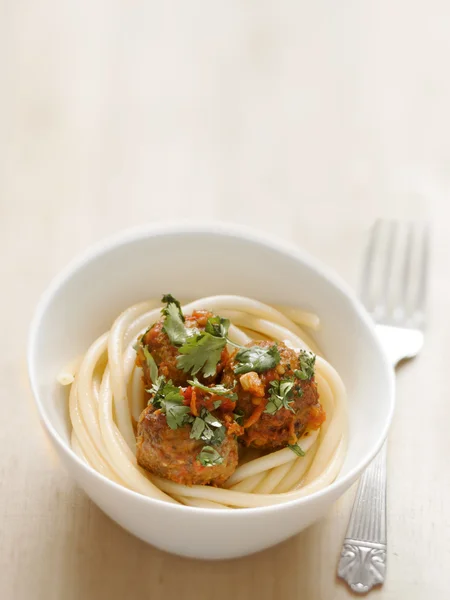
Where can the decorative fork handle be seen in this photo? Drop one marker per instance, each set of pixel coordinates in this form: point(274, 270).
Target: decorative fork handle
point(363, 556)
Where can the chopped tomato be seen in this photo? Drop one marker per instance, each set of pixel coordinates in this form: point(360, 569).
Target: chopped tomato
point(187, 393)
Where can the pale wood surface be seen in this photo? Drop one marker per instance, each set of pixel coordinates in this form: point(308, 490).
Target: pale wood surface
point(305, 119)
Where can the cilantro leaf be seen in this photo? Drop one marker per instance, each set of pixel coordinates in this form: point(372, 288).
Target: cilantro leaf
point(217, 390)
point(211, 419)
point(296, 449)
point(198, 426)
point(280, 396)
point(307, 362)
point(257, 359)
point(201, 352)
point(169, 299)
point(217, 326)
point(176, 414)
point(169, 399)
point(153, 369)
point(209, 457)
point(174, 325)
point(163, 390)
point(207, 428)
point(157, 391)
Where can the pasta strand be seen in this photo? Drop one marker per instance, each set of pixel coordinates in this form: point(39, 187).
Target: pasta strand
point(106, 399)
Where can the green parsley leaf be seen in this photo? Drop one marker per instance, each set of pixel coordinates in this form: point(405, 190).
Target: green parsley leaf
point(174, 325)
point(296, 449)
point(257, 359)
point(198, 426)
point(169, 399)
point(211, 420)
point(169, 299)
point(280, 396)
point(163, 390)
point(157, 391)
point(307, 362)
point(217, 326)
point(217, 403)
point(176, 414)
point(207, 428)
point(217, 390)
point(153, 369)
point(201, 352)
point(209, 457)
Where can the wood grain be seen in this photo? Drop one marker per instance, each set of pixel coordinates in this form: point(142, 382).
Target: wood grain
point(306, 120)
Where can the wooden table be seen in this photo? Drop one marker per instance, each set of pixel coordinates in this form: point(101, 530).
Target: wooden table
point(307, 120)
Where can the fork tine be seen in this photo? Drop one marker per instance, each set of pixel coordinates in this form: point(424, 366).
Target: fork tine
point(394, 278)
point(386, 291)
point(407, 265)
point(418, 307)
point(366, 292)
point(400, 309)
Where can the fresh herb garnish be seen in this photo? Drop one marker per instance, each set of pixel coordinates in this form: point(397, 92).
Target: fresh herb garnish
point(280, 396)
point(201, 352)
point(153, 369)
point(177, 414)
point(217, 390)
point(157, 391)
point(209, 457)
point(198, 427)
point(169, 399)
point(163, 390)
point(257, 359)
point(307, 362)
point(174, 323)
point(296, 449)
point(217, 326)
point(208, 429)
point(169, 299)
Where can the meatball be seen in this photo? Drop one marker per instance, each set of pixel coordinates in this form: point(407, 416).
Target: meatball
point(268, 425)
point(172, 454)
point(165, 353)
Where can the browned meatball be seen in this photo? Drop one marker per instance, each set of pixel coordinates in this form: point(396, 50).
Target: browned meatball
point(283, 425)
point(165, 353)
point(172, 454)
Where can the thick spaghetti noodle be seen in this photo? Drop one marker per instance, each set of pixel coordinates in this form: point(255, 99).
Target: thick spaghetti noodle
point(106, 394)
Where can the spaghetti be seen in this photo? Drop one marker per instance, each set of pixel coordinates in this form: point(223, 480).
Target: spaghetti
point(107, 395)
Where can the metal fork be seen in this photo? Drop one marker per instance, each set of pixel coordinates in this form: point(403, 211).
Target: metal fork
point(394, 292)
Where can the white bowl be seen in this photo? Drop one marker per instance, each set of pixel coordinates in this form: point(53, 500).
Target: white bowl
point(195, 261)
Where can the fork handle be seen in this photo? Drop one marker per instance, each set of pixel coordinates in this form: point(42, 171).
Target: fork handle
point(363, 556)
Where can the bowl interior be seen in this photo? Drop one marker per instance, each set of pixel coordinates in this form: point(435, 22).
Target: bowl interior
point(82, 303)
